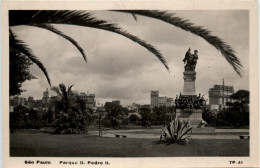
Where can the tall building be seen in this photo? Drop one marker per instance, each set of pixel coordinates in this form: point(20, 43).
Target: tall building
point(160, 101)
point(89, 99)
point(134, 107)
point(46, 98)
point(117, 102)
point(30, 98)
point(30, 102)
point(219, 95)
point(18, 101)
point(154, 98)
point(169, 102)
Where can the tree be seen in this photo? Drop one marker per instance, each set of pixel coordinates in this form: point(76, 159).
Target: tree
point(113, 111)
point(242, 96)
point(46, 117)
point(238, 111)
point(209, 116)
point(133, 118)
point(146, 116)
point(71, 113)
point(160, 116)
point(19, 72)
point(18, 118)
point(46, 18)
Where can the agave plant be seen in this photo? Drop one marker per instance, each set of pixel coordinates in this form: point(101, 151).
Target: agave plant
point(175, 132)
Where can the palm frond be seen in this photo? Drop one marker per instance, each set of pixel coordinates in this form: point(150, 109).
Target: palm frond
point(63, 91)
point(56, 90)
point(58, 32)
point(21, 47)
point(69, 89)
point(225, 49)
point(134, 16)
point(79, 18)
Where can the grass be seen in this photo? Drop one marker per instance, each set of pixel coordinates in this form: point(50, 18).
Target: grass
point(26, 144)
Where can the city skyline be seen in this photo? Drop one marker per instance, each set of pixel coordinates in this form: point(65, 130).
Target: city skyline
point(117, 68)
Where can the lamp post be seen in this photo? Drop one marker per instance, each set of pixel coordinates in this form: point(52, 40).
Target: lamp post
point(99, 123)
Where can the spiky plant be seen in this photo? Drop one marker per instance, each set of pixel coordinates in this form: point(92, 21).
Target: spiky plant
point(46, 18)
point(184, 24)
point(175, 132)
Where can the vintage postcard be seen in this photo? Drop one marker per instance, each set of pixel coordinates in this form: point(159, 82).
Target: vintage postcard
point(130, 84)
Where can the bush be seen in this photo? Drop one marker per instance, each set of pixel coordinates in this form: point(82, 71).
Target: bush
point(69, 123)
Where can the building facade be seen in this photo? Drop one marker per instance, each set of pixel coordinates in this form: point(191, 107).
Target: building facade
point(157, 101)
point(162, 101)
point(169, 102)
point(45, 97)
point(89, 99)
point(154, 98)
point(219, 95)
point(18, 101)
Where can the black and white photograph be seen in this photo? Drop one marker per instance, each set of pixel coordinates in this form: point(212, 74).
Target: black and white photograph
point(130, 83)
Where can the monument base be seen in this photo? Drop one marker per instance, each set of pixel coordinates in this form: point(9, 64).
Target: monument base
point(202, 130)
point(189, 83)
point(194, 116)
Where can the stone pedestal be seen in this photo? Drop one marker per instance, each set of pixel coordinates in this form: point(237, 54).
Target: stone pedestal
point(193, 115)
point(189, 88)
point(189, 92)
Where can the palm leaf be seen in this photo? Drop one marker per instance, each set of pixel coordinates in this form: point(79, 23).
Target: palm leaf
point(79, 18)
point(21, 47)
point(226, 50)
point(56, 31)
point(63, 91)
point(134, 16)
point(56, 90)
point(69, 89)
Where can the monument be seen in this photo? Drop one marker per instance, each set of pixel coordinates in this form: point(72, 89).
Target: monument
point(189, 105)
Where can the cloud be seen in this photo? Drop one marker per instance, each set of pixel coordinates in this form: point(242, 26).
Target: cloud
point(118, 68)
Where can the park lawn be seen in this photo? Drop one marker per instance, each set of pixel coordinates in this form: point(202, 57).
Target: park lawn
point(82, 145)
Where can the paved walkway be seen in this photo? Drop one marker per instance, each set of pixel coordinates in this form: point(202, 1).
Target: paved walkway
point(155, 134)
point(232, 130)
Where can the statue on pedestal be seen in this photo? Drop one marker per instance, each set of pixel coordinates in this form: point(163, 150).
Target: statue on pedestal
point(190, 60)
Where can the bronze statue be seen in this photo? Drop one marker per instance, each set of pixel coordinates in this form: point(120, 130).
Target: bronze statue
point(187, 56)
point(190, 60)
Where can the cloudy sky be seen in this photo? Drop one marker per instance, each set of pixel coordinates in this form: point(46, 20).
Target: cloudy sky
point(118, 68)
